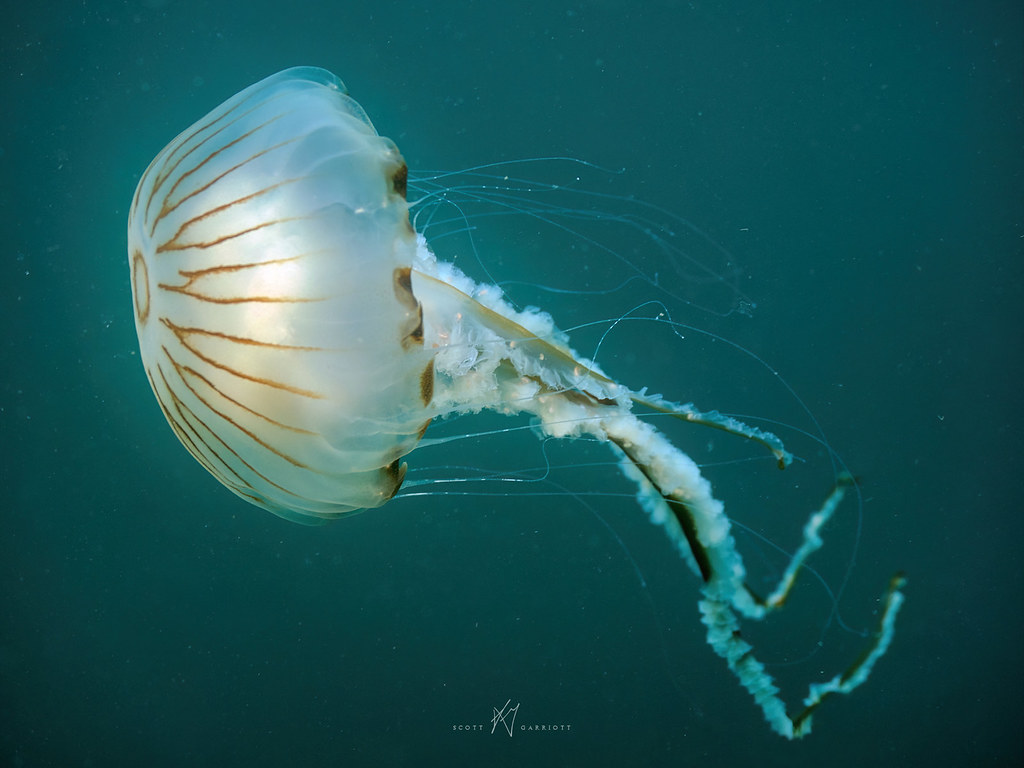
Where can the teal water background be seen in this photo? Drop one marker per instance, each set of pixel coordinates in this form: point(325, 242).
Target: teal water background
point(862, 163)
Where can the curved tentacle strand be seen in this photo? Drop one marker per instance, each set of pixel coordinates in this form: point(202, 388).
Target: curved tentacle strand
point(480, 364)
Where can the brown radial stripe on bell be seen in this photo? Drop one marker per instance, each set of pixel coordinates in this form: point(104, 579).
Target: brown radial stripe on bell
point(427, 383)
point(400, 180)
point(403, 292)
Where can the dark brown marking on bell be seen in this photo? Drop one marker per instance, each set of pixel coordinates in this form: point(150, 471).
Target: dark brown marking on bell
point(184, 334)
point(185, 372)
point(416, 334)
point(180, 369)
point(394, 473)
point(167, 206)
point(412, 330)
point(140, 282)
point(174, 245)
point(194, 278)
point(205, 451)
point(427, 383)
point(423, 429)
point(186, 290)
point(403, 287)
point(220, 269)
point(182, 331)
point(400, 180)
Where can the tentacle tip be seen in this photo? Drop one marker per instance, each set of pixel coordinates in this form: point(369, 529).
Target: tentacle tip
point(784, 457)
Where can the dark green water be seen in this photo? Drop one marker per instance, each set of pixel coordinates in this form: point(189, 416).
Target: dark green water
point(862, 164)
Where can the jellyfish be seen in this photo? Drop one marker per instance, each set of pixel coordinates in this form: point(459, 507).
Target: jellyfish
point(300, 337)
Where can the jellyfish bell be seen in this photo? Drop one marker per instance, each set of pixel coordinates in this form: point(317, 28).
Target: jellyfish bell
point(273, 304)
point(300, 336)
